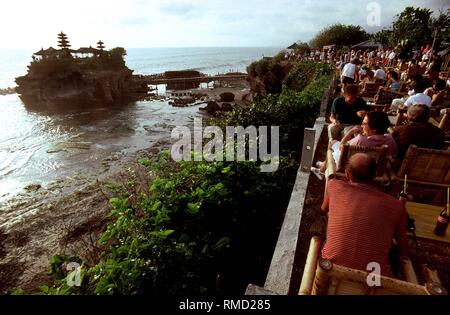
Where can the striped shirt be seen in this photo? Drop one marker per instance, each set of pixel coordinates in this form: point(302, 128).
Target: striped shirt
point(376, 141)
point(362, 222)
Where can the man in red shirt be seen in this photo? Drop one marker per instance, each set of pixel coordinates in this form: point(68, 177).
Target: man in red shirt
point(362, 221)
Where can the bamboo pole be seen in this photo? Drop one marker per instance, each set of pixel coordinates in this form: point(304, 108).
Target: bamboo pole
point(408, 270)
point(448, 201)
point(310, 267)
point(430, 274)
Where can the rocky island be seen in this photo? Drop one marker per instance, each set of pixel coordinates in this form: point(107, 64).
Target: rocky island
point(87, 74)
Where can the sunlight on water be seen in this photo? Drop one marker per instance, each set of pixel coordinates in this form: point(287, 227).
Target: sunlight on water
point(46, 145)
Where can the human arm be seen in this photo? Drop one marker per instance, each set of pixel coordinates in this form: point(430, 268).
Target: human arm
point(437, 99)
point(334, 119)
point(334, 115)
point(352, 133)
point(326, 199)
point(400, 234)
point(361, 113)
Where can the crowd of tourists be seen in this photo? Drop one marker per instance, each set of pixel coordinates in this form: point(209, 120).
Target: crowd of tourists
point(363, 221)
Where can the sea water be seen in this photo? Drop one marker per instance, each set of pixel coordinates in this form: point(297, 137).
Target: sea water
point(39, 146)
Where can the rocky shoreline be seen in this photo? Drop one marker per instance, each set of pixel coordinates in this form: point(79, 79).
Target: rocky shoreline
point(68, 216)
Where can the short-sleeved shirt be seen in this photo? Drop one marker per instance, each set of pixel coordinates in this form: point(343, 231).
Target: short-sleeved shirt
point(380, 74)
point(395, 85)
point(423, 135)
point(362, 221)
point(376, 141)
point(418, 98)
point(349, 70)
point(346, 113)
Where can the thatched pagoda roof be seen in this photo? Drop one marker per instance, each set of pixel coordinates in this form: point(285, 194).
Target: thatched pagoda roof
point(46, 52)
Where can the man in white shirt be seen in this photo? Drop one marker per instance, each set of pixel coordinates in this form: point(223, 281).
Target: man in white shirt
point(350, 73)
point(391, 57)
point(419, 97)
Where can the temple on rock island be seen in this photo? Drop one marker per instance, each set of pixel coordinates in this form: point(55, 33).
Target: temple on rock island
point(85, 75)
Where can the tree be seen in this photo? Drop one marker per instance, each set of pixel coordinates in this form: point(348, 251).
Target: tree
point(413, 28)
point(441, 30)
point(302, 48)
point(385, 37)
point(339, 34)
point(116, 57)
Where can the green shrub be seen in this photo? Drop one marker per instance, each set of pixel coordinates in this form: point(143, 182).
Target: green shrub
point(204, 227)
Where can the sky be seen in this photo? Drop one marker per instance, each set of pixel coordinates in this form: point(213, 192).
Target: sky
point(188, 23)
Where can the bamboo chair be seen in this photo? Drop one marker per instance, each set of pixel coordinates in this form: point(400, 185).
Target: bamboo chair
point(400, 118)
point(379, 153)
point(370, 89)
point(385, 97)
point(427, 170)
point(379, 107)
point(322, 277)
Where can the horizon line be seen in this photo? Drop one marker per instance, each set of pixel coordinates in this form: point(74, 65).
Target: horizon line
point(156, 47)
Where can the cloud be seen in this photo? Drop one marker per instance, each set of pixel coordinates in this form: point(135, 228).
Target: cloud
point(151, 23)
point(181, 9)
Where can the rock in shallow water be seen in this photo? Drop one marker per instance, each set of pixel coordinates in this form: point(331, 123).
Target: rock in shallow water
point(33, 187)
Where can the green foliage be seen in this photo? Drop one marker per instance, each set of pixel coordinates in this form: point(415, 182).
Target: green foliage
point(339, 34)
point(303, 73)
point(51, 66)
point(415, 27)
point(412, 26)
point(116, 57)
point(199, 220)
point(47, 67)
point(144, 162)
point(56, 266)
point(17, 291)
point(275, 72)
point(302, 48)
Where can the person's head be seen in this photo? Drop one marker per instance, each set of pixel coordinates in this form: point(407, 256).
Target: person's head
point(351, 92)
point(375, 123)
point(361, 168)
point(418, 113)
point(415, 79)
point(440, 85)
point(355, 61)
point(392, 75)
point(420, 86)
point(370, 74)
